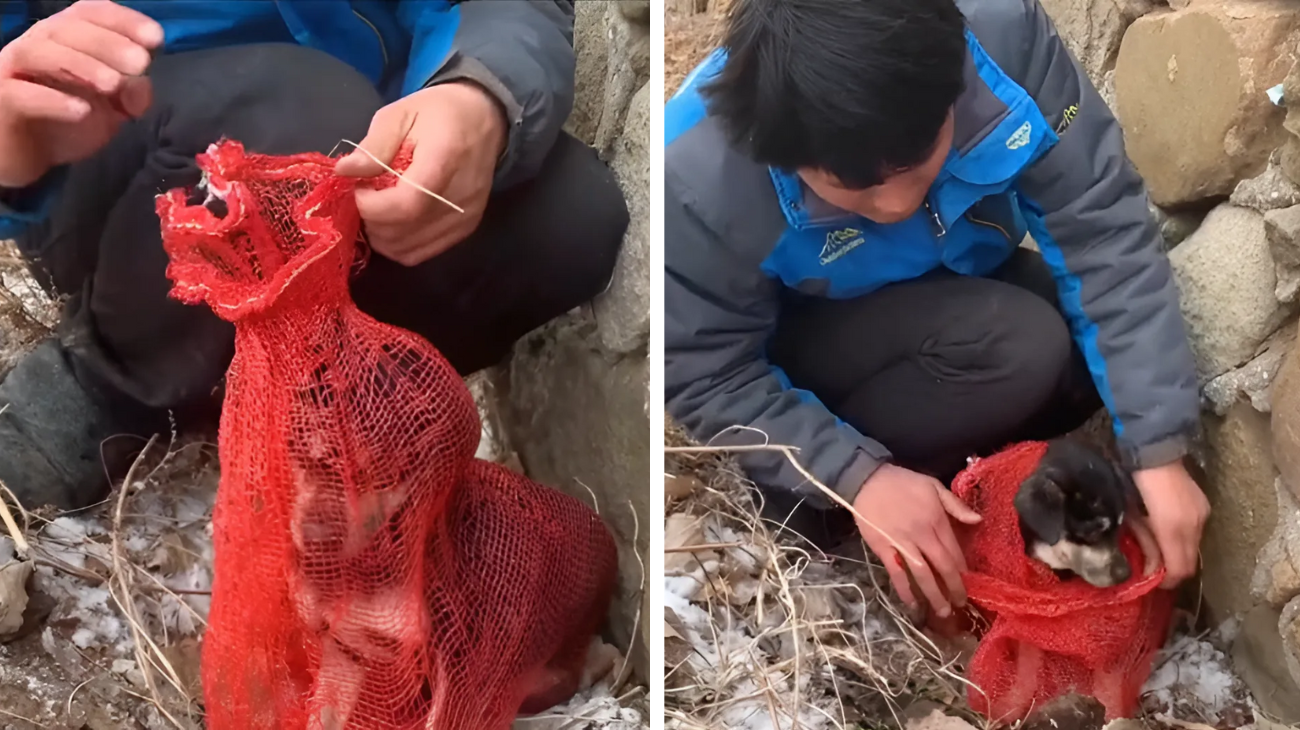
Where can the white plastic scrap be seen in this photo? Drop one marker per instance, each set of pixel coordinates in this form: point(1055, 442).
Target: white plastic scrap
point(1275, 95)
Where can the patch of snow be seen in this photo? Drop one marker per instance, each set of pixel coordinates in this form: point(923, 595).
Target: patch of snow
point(1192, 676)
point(590, 709)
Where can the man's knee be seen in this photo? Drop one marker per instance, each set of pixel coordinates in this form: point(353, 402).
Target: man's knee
point(1028, 341)
point(590, 216)
point(275, 98)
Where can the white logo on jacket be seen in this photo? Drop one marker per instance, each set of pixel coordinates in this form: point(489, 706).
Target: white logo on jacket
point(1020, 138)
point(839, 243)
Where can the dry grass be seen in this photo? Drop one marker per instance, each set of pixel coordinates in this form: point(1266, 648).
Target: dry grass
point(764, 630)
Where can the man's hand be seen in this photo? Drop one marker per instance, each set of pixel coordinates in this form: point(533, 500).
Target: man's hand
point(458, 132)
point(1177, 511)
point(68, 83)
point(913, 509)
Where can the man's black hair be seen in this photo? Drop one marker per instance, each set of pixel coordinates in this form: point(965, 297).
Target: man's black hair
point(857, 88)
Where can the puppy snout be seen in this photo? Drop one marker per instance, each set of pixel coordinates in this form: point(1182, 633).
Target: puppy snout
point(1103, 567)
point(1120, 571)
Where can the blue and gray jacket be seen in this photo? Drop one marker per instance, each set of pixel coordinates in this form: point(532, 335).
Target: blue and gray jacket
point(1035, 151)
point(521, 51)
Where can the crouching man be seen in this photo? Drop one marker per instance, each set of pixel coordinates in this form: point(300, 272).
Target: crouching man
point(847, 186)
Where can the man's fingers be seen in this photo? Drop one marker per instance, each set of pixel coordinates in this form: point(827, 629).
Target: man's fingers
point(404, 202)
point(953, 505)
point(136, 95)
point(923, 574)
point(388, 130)
point(953, 565)
point(35, 101)
point(120, 19)
point(1180, 561)
point(944, 565)
point(118, 52)
point(1147, 541)
point(60, 64)
point(899, 577)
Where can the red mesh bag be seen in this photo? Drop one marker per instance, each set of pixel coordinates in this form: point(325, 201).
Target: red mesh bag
point(369, 572)
point(1047, 637)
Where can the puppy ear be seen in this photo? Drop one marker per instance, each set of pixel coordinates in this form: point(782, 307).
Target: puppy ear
point(1041, 505)
point(1131, 494)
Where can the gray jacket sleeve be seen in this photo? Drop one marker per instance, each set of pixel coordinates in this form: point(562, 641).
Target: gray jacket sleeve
point(522, 52)
point(1087, 208)
point(719, 311)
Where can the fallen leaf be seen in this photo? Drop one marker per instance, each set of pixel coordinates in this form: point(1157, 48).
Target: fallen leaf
point(172, 555)
point(681, 530)
point(680, 487)
point(184, 655)
point(670, 632)
point(13, 594)
point(39, 608)
point(602, 661)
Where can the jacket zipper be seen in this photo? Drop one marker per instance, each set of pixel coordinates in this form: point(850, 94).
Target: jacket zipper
point(934, 217)
point(378, 36)
point(990, 224)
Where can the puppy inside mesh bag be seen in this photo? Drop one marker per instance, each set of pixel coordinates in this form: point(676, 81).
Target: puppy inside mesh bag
point(369, 572)
point(1088, 619)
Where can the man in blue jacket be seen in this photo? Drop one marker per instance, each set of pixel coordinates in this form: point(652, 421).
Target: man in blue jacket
point(846, 188)
point(104, 105)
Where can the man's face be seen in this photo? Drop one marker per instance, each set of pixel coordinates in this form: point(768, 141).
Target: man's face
point(894, 200)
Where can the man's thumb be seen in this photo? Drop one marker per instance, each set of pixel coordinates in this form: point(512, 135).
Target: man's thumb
point(953, 505)
point(387, 131)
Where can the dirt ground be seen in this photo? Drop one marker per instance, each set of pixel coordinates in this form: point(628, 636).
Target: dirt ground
point(687, 40)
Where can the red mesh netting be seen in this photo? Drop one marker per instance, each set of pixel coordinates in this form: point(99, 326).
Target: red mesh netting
point(369, 572)
point(1048, 637)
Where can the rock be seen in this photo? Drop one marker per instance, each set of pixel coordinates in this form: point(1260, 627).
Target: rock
point(1254, 380)
point(1071, 712)
point(623, 311)
point(1286, 422)
point(1226, 281)
point(1288, 624)
point(1289, 158)
point(613, 56)
point(1093, 29)
point(579, 419)
point(591, 46)
point(1282, 230)
point(1176, 226)
point(1240, 485)
point(937, 720)
point(1270, 190)
point(636, 11)
point(1277, 568)
point(1189, 87)
point(1258, 656)
point(13, 595)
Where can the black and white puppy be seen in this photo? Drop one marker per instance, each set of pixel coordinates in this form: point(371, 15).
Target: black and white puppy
point(1071, 509)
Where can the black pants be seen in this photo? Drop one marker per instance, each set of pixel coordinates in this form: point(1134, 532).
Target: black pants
point(543, 248)
point(943, 367)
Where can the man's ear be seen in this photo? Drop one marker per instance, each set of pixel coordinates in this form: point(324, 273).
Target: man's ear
point(1131, 494)
point(1041, 504)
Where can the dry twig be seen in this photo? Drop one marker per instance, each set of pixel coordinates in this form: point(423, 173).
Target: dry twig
point(147, 653)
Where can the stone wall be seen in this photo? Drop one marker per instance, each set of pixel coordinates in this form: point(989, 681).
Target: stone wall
point(573, 400)
point(1189, 82)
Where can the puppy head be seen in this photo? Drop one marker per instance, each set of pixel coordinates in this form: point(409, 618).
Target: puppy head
point(1071, 509)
